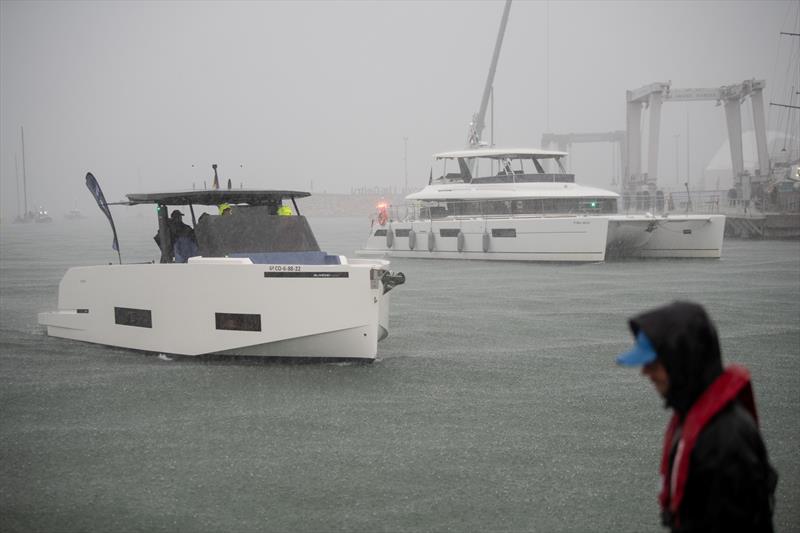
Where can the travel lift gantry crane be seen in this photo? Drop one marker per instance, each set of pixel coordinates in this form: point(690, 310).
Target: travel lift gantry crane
point(564, 142)
point(731, 96)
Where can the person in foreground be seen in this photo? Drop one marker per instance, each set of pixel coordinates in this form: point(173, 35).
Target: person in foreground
point(714, 466)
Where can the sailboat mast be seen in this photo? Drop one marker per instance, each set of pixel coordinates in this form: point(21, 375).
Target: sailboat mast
point(24, 175)
point(16, 177)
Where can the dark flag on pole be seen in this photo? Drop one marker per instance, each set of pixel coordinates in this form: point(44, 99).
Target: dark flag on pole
point(215, 185)
point(94, 187)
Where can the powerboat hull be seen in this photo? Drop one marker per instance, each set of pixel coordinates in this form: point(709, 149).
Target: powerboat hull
point(589, 238)
point(227, 307)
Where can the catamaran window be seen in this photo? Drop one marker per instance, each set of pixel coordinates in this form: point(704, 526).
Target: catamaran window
point(569, 206)
point(126, 316)
point(560, 206)
point(380, 233)
point(504, 232)
point(433, 212)
point(497, 208)
point(449, 232)
point(238, 322)
point(401, 232)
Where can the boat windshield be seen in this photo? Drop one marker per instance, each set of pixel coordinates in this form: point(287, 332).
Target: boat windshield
point(504, 169)
point(253, 229)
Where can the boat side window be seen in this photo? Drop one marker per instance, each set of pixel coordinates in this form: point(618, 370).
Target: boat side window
point(464, 208)
point(380, 233)
point(566, 205)
point(402, 232)
point(437, 211)
point(449, 232)
point(548, 205)
point(504, 232)
point(498, 207)
point(238, 322)
point(127, 316)
point(532, 207)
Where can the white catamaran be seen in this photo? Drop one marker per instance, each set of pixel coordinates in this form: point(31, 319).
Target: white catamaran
point(501, 204)
point(259, 285)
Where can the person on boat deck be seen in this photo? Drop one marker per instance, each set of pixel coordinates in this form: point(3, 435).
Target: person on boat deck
point(184, 244)
point(715, 472)
point(284, 211)
point(225, 209)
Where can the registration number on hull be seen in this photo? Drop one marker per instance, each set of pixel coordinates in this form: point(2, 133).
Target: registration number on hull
point(285, 268)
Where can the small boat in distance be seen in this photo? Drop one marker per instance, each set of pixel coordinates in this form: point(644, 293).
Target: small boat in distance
point(73, 214)
point(501, 204)
point(43, 216)
point(258, 286)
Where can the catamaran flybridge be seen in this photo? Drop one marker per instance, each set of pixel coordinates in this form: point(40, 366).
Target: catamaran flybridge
point(259, 286)
point(501, 204)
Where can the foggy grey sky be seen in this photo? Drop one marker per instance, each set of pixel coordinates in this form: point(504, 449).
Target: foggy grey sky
point(295, 92)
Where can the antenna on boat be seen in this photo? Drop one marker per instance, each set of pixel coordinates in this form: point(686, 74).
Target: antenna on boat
point(97, 192)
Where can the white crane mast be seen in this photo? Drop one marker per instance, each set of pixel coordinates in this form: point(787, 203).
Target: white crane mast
point(479, 119)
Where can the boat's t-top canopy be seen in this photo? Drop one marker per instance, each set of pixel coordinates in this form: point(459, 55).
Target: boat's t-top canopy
point(216, 197)
point(501, 153)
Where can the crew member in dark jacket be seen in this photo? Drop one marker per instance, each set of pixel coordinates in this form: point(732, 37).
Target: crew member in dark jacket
point(184, 244)
point(714, 466)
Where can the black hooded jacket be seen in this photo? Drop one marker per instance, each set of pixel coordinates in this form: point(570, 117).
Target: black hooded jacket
point(731, 485)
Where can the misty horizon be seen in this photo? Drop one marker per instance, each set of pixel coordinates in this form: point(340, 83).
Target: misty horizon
point(327, 97)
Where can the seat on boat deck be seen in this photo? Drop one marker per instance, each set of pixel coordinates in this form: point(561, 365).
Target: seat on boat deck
point(290, 258)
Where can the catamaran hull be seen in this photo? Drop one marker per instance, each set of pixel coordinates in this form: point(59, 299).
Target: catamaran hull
point(559, 239)
point(676, 236)
point(226, 307)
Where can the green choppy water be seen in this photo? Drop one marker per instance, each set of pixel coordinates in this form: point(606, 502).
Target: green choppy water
point(495, 404)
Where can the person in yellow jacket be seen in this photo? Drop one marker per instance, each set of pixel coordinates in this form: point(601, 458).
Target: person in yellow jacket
point(284, 211)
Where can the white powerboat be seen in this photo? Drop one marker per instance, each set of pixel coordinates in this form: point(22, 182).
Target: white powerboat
point(501, 204)
point(258, 286)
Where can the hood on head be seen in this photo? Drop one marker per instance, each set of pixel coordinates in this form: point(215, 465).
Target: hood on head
point(686, 343)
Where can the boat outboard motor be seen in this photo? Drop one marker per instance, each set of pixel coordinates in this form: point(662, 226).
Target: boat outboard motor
point(391, 280)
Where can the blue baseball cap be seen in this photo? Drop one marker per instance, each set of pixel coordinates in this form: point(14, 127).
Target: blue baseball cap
point(641, 354)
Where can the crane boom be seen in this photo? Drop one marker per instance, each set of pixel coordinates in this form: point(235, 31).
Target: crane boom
point(478, 119)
